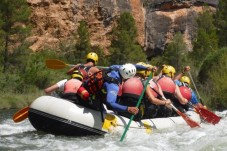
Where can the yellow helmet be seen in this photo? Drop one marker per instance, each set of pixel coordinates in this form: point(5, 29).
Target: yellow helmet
point(148, 72)
point(143, 72)
point(185, 79)
point(93, 56)
point(168, 70)
point(77, 74)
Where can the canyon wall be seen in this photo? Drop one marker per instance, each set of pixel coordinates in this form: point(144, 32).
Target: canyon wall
point(56, 21)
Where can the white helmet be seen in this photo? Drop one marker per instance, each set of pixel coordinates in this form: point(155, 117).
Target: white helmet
point(127, 70)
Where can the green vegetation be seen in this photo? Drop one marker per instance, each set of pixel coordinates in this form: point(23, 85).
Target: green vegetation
point(213, 77)
point(221, 23)
point(83, 45)
point(124, 46)
point(207, 60)
point(206, 41)
point(74, 51)
point(14, 27)
point(24, 74)
point(176, 53)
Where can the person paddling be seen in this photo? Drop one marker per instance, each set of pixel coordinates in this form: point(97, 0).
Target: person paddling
point(170, 90)
point(88, 68)
point(70, 89)
point(133, 87)
point(184, 84)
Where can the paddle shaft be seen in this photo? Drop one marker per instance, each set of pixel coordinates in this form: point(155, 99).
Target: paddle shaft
point(58, 64)
point(137, 105)
point(189, 73)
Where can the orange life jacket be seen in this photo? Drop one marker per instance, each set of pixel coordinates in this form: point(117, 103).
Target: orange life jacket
point(94, 83)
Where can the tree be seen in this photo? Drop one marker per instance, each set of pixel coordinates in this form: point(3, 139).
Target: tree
point(176, 52)
point(124, 47)
point(214, 78)
point(221, 22)
point(14, 29)
point(206, 41)
point(83, 45)
point(75, 50)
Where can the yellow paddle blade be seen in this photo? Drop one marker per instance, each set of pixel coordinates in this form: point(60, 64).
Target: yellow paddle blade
point(55, 64)
point(21, 115)
point(147, 127)
point(109, 122)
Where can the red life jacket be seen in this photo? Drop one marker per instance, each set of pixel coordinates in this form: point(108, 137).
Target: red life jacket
point(83, 93)
point(120, 90)
point(186, 92)
point(72, 85)
point(167, 84)
point(153, 85)
point(133, 87)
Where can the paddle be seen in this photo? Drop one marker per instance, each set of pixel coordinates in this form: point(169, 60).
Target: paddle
point(21, 115)
point(111, 121)
point(137, 105)
point(188, 120)
point(206, 114)
point(58, 64)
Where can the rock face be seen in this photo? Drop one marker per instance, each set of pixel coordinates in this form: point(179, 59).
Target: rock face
point(157, 21)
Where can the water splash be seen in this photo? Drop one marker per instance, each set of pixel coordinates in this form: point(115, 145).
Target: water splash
point(22, 136)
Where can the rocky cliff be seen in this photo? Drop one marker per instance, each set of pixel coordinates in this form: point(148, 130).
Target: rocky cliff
point(157, 21)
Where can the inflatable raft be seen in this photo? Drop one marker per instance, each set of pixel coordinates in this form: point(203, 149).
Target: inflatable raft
point(61, 117)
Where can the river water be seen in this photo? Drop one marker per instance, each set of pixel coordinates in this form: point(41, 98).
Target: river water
point(23, 137)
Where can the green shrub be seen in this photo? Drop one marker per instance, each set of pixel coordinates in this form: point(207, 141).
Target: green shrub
point(213, 75)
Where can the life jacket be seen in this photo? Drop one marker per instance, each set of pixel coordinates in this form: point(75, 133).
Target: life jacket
point(153, 87)
point(83, 93)
point(186, 92)
point(72, 86)
point(120, 90)
point(87, 71)
point(132, 87)
point(84, 71)
point(167, 84)
point(94, 82)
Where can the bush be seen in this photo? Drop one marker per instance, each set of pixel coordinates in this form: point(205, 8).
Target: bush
point(213, 75)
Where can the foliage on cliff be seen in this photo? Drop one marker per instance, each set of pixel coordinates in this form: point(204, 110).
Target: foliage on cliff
point(221, 22)
point(206, 41)
point(213, 77)
point(124, 46)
